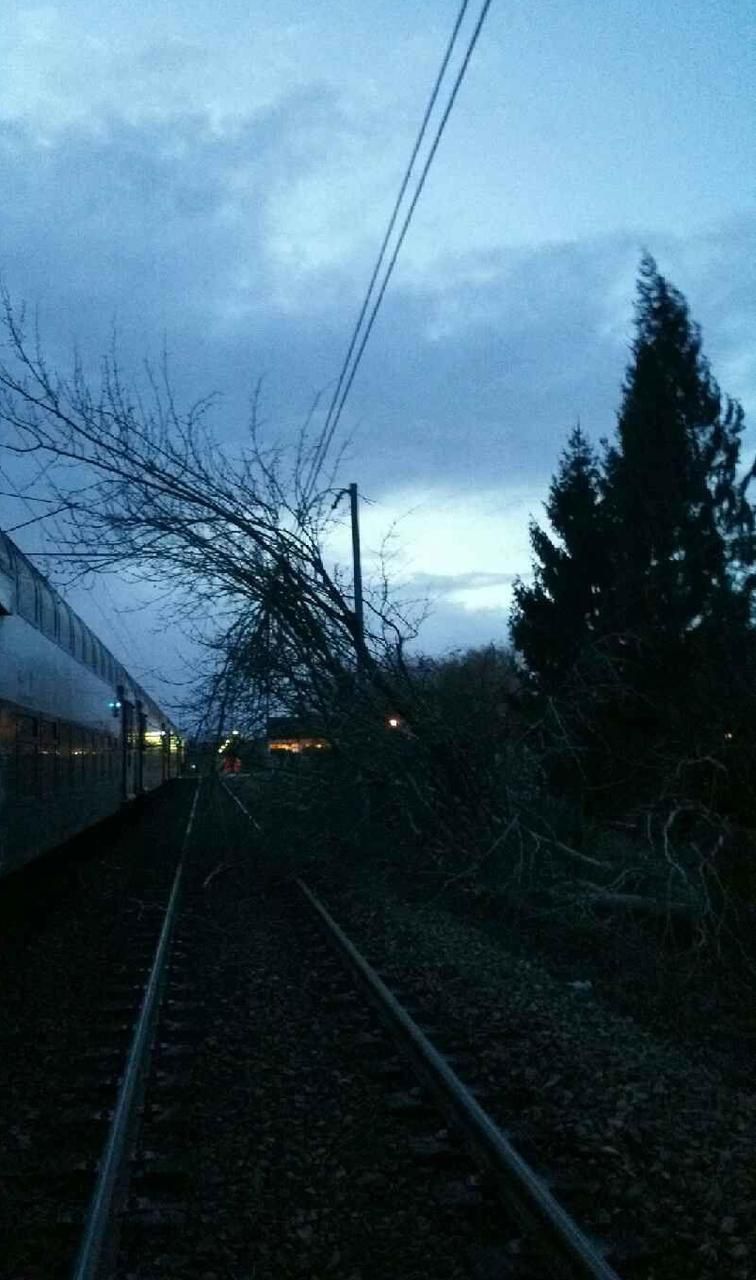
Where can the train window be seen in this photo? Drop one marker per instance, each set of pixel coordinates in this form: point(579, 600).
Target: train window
point(7, 559)
point(72, 633)
point(26, 766)
point(27, 593)
point(64, 625)
point(46, 609)
point(27, 727)
point(77, 637)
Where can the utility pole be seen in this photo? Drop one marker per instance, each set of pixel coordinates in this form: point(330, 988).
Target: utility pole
point(359, 615)
point(268, 678)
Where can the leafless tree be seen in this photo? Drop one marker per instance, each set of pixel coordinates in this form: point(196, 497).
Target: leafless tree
point(139, 485)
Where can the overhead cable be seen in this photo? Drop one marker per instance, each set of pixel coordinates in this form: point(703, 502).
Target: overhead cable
point(346, 379)
point(325, 437)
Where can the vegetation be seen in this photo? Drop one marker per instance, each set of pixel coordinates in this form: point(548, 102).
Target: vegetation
point(600, 772)
point(601, 777)
point(637, 632)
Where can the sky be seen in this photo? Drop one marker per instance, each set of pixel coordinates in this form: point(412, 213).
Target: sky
point(219, 178)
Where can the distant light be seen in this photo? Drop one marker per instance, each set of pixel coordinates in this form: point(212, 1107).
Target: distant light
point(393, 722)
point(234, 733)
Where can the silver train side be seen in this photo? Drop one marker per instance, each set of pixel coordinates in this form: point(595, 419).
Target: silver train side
point(78, 736)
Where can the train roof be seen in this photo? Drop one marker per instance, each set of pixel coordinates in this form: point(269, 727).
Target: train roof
point(15, 564)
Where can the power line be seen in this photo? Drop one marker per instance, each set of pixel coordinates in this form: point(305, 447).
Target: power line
point(325, 437)
point(411, 210)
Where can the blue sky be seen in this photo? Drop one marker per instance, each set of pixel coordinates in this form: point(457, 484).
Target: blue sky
point(222, 175)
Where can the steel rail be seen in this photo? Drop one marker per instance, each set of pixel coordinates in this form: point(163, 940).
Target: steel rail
point(567, 1251)
point(103, 1202)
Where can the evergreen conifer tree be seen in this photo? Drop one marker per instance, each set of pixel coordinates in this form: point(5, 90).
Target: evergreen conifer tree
point(556, 616)
point(652, 570)
point(681, 526)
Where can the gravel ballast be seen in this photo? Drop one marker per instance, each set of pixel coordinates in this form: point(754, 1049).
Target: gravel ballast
point(302, 1166)
point(294, 1158)
point(649, 1144)
point(279, 1125)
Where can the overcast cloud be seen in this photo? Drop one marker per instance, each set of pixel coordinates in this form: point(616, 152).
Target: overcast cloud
point(221, 177)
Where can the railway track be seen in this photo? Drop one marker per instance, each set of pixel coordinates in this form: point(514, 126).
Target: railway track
point(563, 1248)
point(68, 1185)
point(126, 1123)
point(99, 1240)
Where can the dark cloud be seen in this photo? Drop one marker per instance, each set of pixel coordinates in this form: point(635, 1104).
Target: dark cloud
point(474, 372)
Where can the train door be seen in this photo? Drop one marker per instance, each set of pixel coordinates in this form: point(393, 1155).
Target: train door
point(165, 752)
point(141, 742)
point(128, 752)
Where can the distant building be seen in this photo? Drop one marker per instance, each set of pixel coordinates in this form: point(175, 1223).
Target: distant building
point(288, 734)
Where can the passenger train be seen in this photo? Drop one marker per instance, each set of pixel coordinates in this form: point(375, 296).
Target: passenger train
point(78, 736)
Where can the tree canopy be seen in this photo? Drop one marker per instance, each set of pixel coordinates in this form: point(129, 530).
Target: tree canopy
point(554, 617)
point(639, 612)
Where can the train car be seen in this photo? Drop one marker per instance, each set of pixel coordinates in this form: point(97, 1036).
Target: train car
point(79, 737)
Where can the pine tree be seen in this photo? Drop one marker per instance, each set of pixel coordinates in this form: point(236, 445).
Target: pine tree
point(682, 528)
point(656, 544)
point(556, 616)
point(640, 613)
